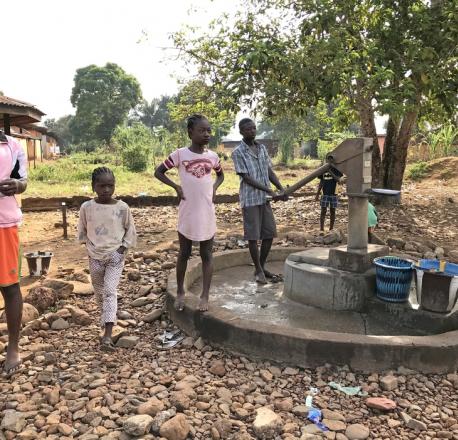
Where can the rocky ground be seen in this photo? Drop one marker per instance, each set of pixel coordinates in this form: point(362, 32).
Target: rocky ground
point(70, 389)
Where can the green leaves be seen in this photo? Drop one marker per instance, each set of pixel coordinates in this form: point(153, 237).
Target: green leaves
point(103, 97)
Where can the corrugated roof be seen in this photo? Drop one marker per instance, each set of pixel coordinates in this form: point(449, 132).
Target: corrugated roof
point(6, 100)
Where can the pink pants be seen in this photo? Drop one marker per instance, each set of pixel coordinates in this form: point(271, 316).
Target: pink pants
point(105, 275)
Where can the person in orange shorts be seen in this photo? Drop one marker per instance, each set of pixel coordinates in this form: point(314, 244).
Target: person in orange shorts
point(13, 180)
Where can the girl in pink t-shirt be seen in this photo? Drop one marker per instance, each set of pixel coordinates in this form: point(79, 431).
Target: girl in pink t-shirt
point(196, 193)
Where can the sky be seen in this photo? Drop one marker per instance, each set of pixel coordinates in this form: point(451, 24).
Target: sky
point(50, 39)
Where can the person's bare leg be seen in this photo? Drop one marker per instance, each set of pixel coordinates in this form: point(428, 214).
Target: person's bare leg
point(254, 252)
point(182, 264)
point(322, 218)
point(332, 212)
point(13, 310)
point(206, 254)
point(265, 249)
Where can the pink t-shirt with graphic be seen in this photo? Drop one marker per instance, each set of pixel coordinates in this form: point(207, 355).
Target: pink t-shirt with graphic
point(196, 214)
point(13, 163)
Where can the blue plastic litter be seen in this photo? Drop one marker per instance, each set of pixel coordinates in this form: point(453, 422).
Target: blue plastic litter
point(314, 416)
point(393, 278)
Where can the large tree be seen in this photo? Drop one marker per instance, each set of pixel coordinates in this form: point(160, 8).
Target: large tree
point(198, 97)
point(61, 128)
point(103, 97)
point(156, 113)
point(393, 57)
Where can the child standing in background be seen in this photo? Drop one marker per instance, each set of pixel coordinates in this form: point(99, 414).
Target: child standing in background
point(107, 228)
point(196, 193)
point(328, 184)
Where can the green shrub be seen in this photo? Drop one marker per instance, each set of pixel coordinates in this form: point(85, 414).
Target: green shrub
point(134, 145)
point(418, 171)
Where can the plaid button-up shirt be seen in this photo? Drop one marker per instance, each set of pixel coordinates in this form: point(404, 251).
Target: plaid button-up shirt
point(255, 166)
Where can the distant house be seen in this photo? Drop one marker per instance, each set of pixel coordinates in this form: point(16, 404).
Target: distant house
point(271, 145)
point(17, 119)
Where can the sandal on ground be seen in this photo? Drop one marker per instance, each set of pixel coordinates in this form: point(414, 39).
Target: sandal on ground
point(179, 305)
point(16, 368)
point(276, 278)
point(106, 344)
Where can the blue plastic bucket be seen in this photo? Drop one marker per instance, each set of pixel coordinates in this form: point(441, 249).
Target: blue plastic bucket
point(393, 278)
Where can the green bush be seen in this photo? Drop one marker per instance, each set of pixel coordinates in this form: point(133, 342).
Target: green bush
point(134, 145)
point(418, 171)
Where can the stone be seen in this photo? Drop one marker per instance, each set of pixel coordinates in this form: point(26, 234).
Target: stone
point(123, 314)
point(60, 324)
point(142, 301)
point(138, 425)
point(64, 429)
point(151, 407)
point(62, 288)
point(357, 432)
point(82, 289)
point(267, 424)
point(42, 298)
point(199, 344)
point(393, 423)
point(117, 333)
point(13, 421)
point(439, 252)
point(223, 427)
point(332, 415)
point(127, 341)
point(332, 237)
point(134, 275)
point(152, 316)
point(161, 418)
point(288, 371)
point(416, 425)
point(218, 368)
point(399, 243)
point(167, 265)
point(79, 316)
point(335, 425)
point(285, 404)
point(180, 400)
point(176, 428)
point(266, 375)
point(389, 383)
point(301, 410)
point(381, 403)
point(29, 313)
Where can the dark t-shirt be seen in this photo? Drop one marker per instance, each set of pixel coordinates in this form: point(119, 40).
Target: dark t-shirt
point(329, 183)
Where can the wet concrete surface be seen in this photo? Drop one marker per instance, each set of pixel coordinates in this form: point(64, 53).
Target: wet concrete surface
point(234, 289)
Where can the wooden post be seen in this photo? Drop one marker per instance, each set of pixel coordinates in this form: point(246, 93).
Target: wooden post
point(64, 219)
point(6, 123)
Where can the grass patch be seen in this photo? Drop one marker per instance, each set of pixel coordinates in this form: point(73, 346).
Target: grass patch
point(418, 170)
point(71, 176)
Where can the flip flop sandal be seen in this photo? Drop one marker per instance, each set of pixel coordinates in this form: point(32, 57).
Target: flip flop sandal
point(277, 278)
point(179, 305)
point(107, 345)
point(13, 370)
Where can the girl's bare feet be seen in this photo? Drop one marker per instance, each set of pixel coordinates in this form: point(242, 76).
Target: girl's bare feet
point(203, 304)
point(179, 302)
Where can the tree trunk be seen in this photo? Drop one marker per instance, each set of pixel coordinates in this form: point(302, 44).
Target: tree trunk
point(392, 129)
point(366, 115)
point(395, 164)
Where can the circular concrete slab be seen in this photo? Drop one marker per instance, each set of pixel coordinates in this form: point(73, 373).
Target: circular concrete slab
point(259, 321)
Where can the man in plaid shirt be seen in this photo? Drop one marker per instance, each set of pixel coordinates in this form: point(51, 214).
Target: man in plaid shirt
point(253, 165)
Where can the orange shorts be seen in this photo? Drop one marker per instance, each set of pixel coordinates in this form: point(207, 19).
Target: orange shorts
point(10, 265)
